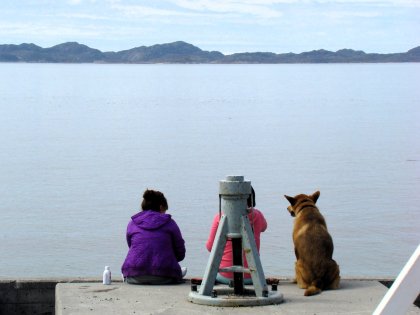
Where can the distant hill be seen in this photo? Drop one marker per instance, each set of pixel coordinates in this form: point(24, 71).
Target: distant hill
point(182, 52)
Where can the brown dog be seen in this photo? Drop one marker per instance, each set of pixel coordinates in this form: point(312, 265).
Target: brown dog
point(315, 268)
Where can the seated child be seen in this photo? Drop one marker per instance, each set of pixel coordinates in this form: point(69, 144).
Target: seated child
point(155, 244)
point(257, 221)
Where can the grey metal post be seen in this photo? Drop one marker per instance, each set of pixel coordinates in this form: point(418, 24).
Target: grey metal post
point(215, 257)
point(234, 192)
point(253, 259)
point(234, 225)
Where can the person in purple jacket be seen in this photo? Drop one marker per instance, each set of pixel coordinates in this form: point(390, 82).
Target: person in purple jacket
point(155, 244)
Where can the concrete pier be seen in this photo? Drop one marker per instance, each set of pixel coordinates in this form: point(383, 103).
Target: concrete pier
point(354, 297)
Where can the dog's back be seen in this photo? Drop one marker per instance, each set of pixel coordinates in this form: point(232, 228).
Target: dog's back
point(315, 268)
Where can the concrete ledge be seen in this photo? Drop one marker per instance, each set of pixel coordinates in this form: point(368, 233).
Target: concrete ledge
point(37, 295)
point(31, 296)
point(354, 296)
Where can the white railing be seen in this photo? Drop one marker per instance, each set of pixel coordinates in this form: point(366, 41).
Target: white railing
point(404, 290)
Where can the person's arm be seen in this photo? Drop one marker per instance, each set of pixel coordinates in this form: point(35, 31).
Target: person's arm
point(128, 234)
point(258, 220)
point(213, 230)
point(263, 222)
point(178, 242)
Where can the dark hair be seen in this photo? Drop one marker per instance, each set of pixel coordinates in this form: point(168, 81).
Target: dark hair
point(152, 200)
point(249, 200)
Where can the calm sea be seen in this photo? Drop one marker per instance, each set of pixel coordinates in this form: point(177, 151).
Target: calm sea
point(80, 144)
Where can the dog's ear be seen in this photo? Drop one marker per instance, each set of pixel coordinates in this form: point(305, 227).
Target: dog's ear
point(291, 200)
point(315, 196)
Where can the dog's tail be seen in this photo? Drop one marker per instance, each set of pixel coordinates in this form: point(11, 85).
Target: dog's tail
point(313, 289)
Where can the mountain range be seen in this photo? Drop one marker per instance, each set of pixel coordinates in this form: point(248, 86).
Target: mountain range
point(182, 52)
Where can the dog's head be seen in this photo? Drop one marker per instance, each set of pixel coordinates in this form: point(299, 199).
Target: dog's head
point(298, 200)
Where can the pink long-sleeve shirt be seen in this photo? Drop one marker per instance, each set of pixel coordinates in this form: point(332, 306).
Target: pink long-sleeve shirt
point(256, 220)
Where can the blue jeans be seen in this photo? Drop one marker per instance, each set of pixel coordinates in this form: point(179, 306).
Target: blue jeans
point(224, 280)
point(157, 280)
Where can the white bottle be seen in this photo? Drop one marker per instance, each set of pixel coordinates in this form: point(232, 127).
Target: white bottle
point(106, 279)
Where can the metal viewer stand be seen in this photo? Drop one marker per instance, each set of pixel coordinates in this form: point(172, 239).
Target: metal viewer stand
point(234, 225)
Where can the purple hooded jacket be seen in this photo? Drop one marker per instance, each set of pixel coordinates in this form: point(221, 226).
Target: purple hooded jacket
point(155, 246)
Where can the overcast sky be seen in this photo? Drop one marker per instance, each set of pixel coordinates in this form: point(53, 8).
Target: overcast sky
point(229, 26)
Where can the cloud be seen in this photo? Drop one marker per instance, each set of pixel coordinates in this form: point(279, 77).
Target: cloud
point(377, 3)
point(198, 9)
point(82, 16)
point(255, 8)
point(36, 30)
point(76, 2)
point(351, 14)
point(201, 8)
point(139, 10)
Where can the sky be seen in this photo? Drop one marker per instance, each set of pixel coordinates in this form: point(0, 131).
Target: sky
point(228, 26)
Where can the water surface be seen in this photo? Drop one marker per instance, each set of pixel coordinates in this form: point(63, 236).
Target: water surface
point(80, 143)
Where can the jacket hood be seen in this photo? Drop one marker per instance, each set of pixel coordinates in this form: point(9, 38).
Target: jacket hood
point(150, 220)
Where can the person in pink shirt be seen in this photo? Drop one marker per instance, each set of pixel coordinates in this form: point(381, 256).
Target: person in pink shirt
point(259, 225)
